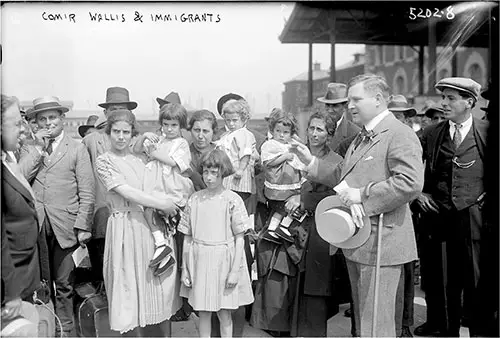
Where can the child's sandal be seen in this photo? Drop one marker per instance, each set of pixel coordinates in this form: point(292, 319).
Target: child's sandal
point(165, 252)
point(161, 269)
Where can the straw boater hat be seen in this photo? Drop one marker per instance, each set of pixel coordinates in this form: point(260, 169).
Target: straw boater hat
point(462, 84)
point(398, 103)
point(225, 98)
point(336, 226)
point(118, 95)
point(91, 120)
point(335, 93)
point(172, 97)
point(44, 104)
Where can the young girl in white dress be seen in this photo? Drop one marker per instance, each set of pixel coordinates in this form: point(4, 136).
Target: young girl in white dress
point(167, 173)
point(214, 273)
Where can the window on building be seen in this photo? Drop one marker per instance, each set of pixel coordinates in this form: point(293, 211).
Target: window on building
point(402, 52)
point(476, 73)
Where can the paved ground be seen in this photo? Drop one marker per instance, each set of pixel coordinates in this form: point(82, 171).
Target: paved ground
point(338, 326)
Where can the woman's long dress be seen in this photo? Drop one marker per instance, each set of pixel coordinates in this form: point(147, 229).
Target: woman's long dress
point(135, 296)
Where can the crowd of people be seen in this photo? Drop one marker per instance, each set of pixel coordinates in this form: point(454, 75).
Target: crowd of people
point(174, 219)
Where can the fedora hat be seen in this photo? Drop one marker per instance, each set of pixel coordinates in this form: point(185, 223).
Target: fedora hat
point(336, 226)
point(118, 95)
point(462, 84)
point(225, 98)
point(91, 120)
point(398, 103)
point(172, 97)
point(45, 103)
point(431, 109)
point(335, 93)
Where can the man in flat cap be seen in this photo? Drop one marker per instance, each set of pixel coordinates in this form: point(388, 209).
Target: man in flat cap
point(97, 143)
point(64, 189)
point(335, 101)
point(452, 204)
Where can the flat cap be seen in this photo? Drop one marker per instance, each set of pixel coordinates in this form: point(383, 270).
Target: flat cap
point(462, 84)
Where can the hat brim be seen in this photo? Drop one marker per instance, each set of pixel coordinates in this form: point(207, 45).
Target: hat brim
point(323, 100)
point(460, 89)
point(161, 101)
point(409, 112)
point(225, 98)
point(325, 230)
point(83, 129)
point(33, 113)
point(130, 104)
point(484, 109)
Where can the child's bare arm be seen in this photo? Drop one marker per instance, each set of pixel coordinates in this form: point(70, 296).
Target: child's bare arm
point(139, 144)
point(234, 273)
point(243, 165)
point(186, 274)
point(163, 157)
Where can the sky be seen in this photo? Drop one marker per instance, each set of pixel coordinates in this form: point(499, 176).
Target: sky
point(76, 58)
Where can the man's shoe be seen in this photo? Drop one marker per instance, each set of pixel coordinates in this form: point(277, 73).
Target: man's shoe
point(425, 330)
point(406, 332)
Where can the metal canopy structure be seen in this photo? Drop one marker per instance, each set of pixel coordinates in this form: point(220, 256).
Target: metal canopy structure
point(385, 22)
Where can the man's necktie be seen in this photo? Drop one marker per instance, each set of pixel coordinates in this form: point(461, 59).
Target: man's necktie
point(49, 146)
point(363, 134)
point(457, 137)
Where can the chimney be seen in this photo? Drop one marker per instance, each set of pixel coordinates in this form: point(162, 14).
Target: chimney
point(317, 66)
point(359, 57)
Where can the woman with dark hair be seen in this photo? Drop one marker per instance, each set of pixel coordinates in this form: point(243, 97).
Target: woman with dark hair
point(137, 298)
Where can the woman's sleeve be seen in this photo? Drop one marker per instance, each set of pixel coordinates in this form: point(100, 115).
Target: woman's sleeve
point(109, 175)
point(181, 154)
point(185, 222)
point(245, 143)
point(240, 222)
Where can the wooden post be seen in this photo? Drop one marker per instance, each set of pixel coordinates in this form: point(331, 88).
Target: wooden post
point(431, 62)
point(454, 62)
point(421, 70)
point(310, 77)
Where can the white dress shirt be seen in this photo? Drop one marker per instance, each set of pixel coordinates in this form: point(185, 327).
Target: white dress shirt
point(376, 120)
point(466, 125)
point(9, 160)
point(57, 141)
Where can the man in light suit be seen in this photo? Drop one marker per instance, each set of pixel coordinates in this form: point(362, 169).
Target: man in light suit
point(383, 171)
point(452, 225)
point(335, 101)
point(64, 190)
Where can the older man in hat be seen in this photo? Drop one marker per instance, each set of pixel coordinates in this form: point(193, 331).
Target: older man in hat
point(88, 127)
point(381, 173)
point(98, 143)
point(452, 202)
point(335, 101)
point(64, 190)
point(399, 106)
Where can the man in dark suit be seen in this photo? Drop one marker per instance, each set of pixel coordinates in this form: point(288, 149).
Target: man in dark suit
point(452, 200)
point(64, 190)
point(20, 264)
point(381, 173)
point(335, 101)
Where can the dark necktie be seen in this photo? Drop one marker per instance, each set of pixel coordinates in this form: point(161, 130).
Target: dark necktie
point(49, 146)
point(362, 136)
point(457, 137)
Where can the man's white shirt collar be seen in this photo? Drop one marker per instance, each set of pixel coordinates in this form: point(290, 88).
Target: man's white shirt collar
point(376, 120)
point(466, 125)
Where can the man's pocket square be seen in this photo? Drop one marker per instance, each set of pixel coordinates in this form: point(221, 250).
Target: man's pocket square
point(368, 158)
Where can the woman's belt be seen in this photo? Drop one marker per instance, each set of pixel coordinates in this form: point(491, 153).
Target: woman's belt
point(214, 243)
point(125, 209)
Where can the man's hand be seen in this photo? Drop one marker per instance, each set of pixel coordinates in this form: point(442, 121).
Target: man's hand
point(83, 237)
point(357, 213)
point(186, 278)
point(42, 137)
point(426, 203)
point(302, 152)
point(292, 204)
point(11, 309)
point(350, 196)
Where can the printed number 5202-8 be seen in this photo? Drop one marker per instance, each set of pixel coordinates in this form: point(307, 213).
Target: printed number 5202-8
point(425, 13)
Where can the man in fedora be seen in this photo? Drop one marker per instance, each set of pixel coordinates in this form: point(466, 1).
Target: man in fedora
point(335, 101)
point(97, 143)
point(452, 204)
point(88, 127)
point(64, 190)
point(399, 106)
point(381, 173)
